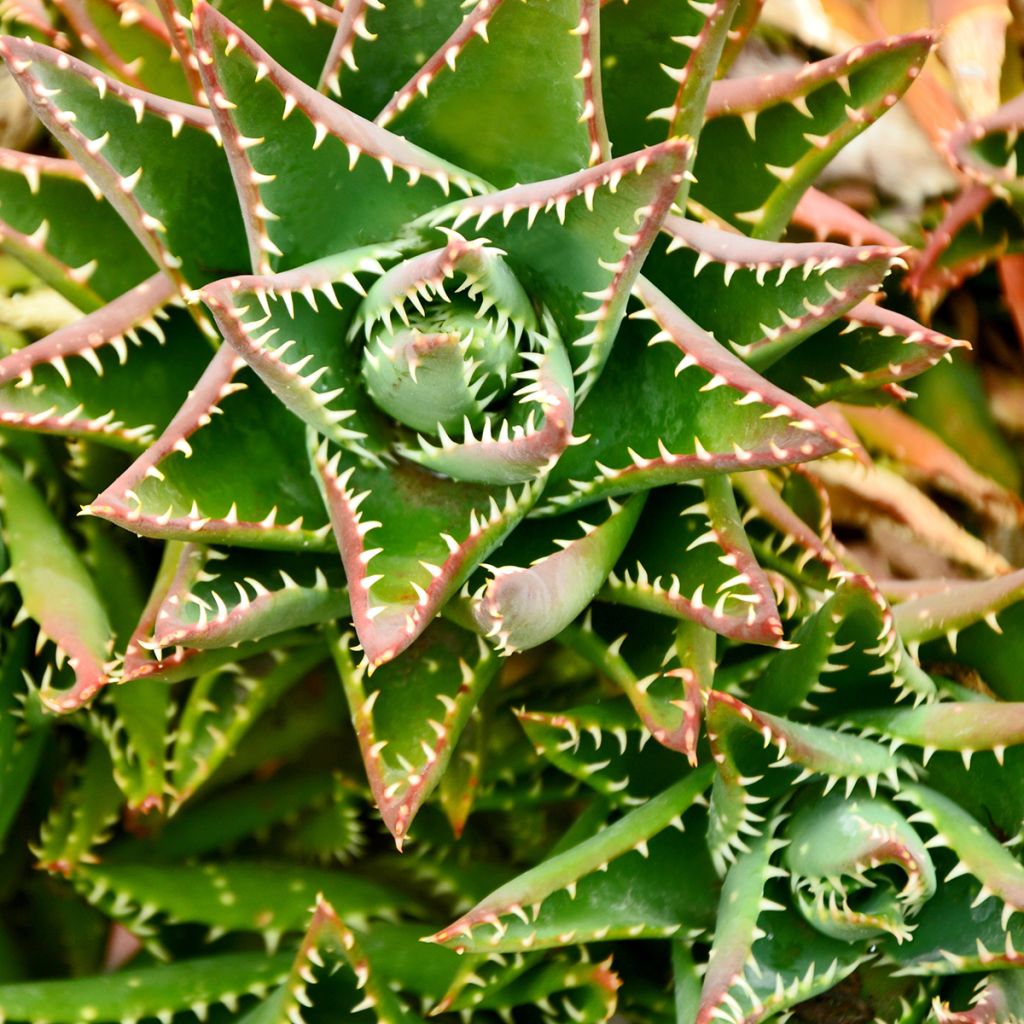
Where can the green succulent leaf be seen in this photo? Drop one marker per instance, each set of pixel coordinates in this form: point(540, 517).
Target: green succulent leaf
point(271, 122)
point(409, 724)
point(131, 41)
point(157, 161)
point(223, 598)
point(145, 991)
point(378, 47)
point(221, 708)
point(56, 591)
point(81, 817)
point(575, 866)
point(762, 299)
point(469, 103)
point(781, 130)
point(104, 377)
point(52, 218)
point(580, 258)
point(724, 416)
point(708, 574)
point(523, 606)
point(229, 896)
point(182, 486)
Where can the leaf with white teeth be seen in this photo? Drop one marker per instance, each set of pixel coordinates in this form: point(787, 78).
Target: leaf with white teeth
point(144, 153)
point(470, 104)
point(966, 727)
point(132, 41)
point(761, 299)
point(56, 591)
point(146, 991)
point(223, 705)
point(408, 715)
point(105, 377)
point(298, 34)
point(836, 848)
point(680, 419)
point(768, 138)
point(236, 596)
point(579, 241)
point(230, 467)
point(606, 747)
point(706, 573)
point(53, 220)
point(977, 851)
point(523, 606)
point(291, 329)
point(571, 872)
point(867, 348)
point(409, 540)
point(379, 46)
point(988, 150)
point(764, 958)
point(270, 120)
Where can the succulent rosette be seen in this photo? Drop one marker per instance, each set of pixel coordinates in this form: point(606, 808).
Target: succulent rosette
point(424, 335)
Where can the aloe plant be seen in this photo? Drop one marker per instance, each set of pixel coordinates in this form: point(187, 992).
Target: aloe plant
point(481, 428)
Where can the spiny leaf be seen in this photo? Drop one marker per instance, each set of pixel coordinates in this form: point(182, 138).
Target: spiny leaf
point(172, 196)
point(267, 117)
point(131, 41)
point(378, 47)
point(707, 574)
point(409, 725)
point(800, 120)
point(56, 591)
point(427, 535)
point(629, 833)
point(81, 816)
point(52, 220)
point(763, 298)
point(185, 485)
point(521, 607)
point(721, 416)
point(223, 705)
point(471, 104)
point(222, 598)
point(146, 991)
point(580, 258)
point(104, 377)
point(229, 896)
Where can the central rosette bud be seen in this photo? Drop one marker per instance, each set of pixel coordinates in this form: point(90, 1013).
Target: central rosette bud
point(455, 351)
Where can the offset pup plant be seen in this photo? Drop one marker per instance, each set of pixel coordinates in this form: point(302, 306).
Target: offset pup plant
point(490, 302)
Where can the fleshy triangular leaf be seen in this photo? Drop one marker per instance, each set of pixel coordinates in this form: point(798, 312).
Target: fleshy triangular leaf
point(53, 221)
point(406, 739)
point(423, 535)
point(471, 104)
point(172, 195)
point(800, 120)
point(131, 41)
point(222, 598)
point(267, 118)
point(581, 258)
point(707, 573)
point(868, 347)
point(565, 870)
point(221, 708)
point(56, 591)
point(105, 377)
point(379, 46)
point(523, 606)
point(722, 415)
point(183, 486)
point(763, 298)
